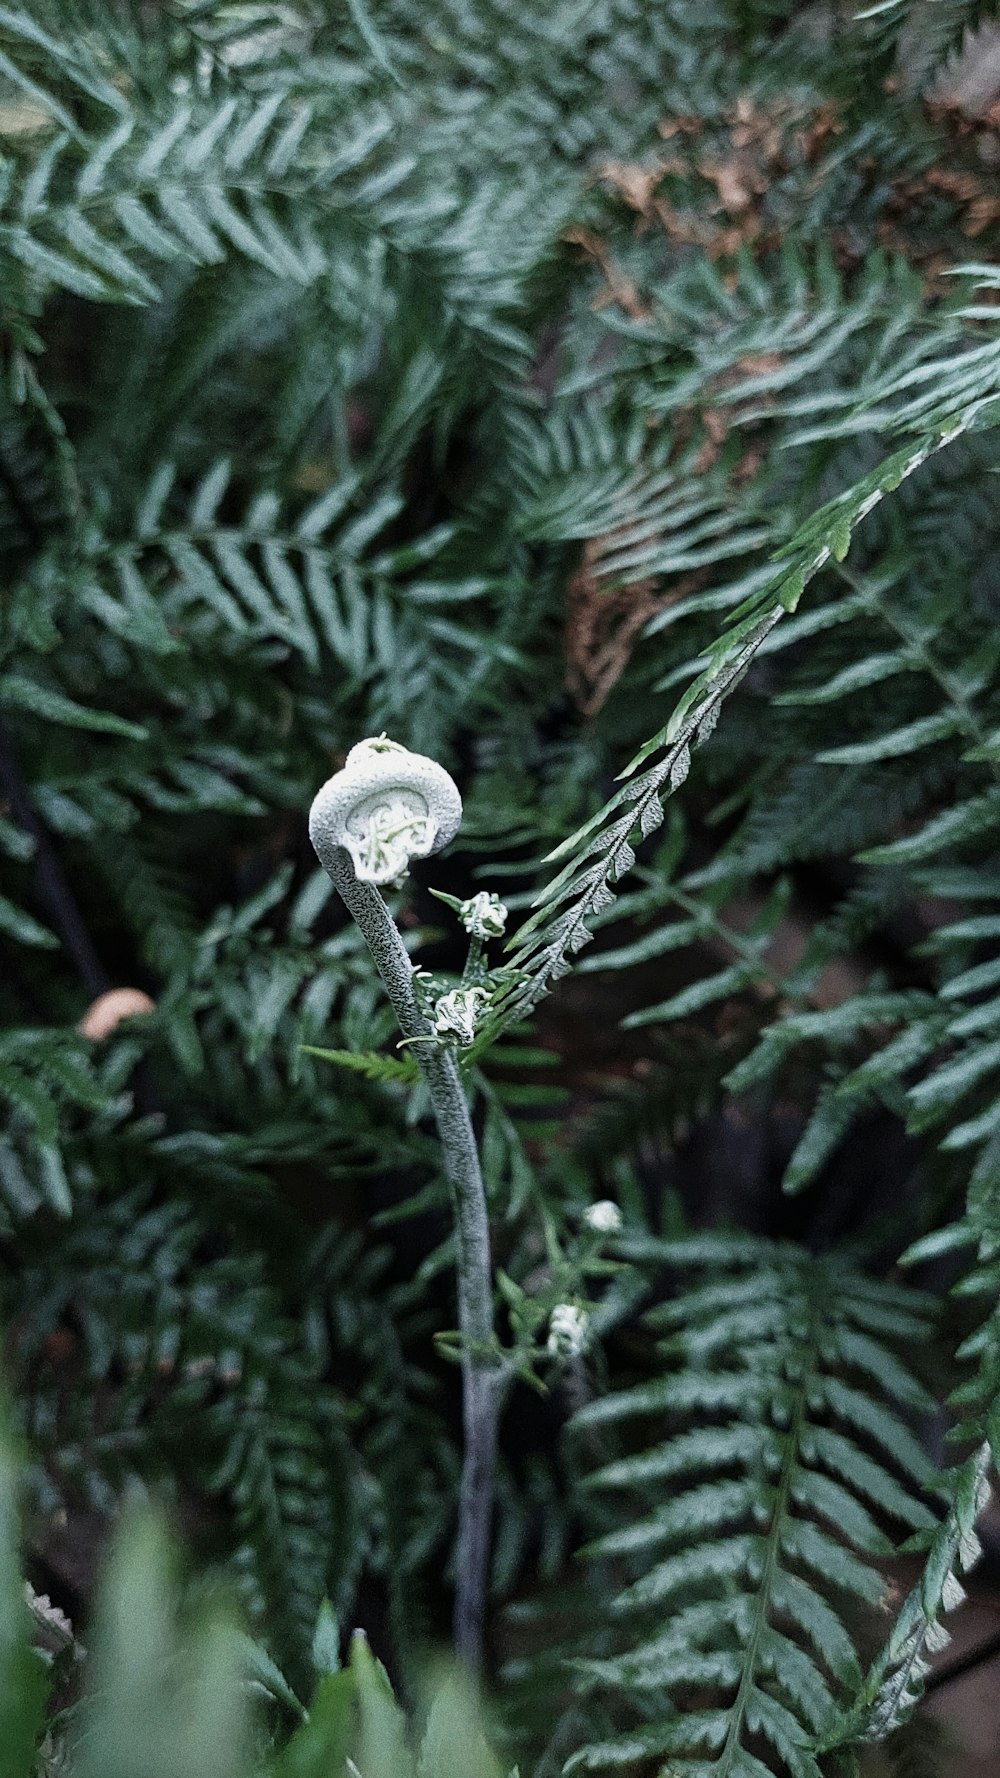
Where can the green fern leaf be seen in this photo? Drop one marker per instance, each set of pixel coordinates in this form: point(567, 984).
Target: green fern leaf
point(751, 1535)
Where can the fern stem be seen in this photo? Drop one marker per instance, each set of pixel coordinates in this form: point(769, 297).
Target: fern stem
point(729, 1756)
point(481, 1374)
point(949, 683)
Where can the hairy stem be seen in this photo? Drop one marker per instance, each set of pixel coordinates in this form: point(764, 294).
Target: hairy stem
point(481, 1374)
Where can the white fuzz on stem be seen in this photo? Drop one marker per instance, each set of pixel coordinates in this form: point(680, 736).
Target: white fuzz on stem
point(387, 806)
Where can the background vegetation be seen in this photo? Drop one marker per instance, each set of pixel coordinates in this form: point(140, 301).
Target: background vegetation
point(467, 372)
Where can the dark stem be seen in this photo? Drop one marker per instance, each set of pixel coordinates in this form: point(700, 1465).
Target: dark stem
point(482, 1375)
point(53, 890)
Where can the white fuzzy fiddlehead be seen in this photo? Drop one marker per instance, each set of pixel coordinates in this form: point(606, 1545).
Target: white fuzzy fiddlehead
point(456, 1013)
point(483, 915)
point(386, 806)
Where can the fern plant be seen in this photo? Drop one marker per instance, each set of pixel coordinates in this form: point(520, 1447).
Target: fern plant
point(175, 1685)
point(761, 1500)
point(602, 402)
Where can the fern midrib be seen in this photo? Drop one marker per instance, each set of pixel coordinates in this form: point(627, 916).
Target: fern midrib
point(958, 699)
point(110, 549)
point(618, 855)
point(809, 1350)
point(797, 999)
point(737, 942)
point(347, 206)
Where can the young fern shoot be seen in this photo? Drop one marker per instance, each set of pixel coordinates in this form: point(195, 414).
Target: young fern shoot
point(386, 806)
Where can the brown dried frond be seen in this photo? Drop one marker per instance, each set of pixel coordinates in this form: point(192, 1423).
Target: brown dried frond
point(635, 183)
point(737, 182)
point(603, 622)
point(683, 124)
point(604, 618)
point(716, 427)
point(752, 364)
point(977, 201)
point(618, 287)
point(813, 137)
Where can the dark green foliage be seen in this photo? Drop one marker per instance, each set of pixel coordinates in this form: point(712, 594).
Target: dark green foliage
point(601, 397)
point(165, 1345)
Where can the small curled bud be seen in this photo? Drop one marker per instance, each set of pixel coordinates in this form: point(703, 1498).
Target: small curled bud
point(483, 916)
point(386, 806)
point(567, 1331)
point(456, 1013)
point(604, 1217)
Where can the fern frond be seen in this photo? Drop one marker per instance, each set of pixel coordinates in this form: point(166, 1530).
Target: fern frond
point(603, 851)
point(893, 1685)
point(776, 1470)
point(48, 1078)
point(167, 1344)
point(369, 1063)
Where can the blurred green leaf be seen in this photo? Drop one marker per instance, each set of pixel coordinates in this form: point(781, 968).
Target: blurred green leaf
point(23, 1682)
point(165, 1693)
